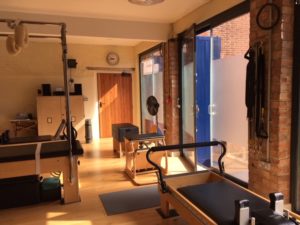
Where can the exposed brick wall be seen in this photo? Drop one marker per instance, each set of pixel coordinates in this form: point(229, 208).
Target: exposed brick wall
point(272, 175)
point(171, 92)
point(234, 36)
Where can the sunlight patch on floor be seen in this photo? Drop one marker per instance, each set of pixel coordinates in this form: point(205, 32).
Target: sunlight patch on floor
point(51, 215)
point(69, 222)
point(176, 166)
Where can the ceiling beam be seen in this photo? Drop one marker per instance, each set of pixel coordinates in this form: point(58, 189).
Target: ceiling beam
point(93, 27)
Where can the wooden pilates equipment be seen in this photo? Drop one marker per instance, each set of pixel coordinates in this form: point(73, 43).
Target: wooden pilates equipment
point(136, 147)
point(42, 157)
point(173, 192)
point(62, 36)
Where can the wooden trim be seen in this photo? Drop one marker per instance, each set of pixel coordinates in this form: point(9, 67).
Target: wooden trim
point(110, 69)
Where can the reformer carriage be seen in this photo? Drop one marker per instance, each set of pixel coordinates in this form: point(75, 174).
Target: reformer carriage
point(209, 198)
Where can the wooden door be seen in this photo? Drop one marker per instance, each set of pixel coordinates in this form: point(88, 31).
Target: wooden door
point(115, 101)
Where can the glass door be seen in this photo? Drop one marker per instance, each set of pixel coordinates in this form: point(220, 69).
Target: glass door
point(187, 93)
point(205, 53)
point(151, 78)
point(227, 107)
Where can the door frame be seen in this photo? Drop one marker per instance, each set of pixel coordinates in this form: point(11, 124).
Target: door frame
point(181, 42)
point(159, 47)
point(295, 131)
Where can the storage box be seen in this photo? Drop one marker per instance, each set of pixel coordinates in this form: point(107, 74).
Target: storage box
point(50, 189)
point(19, 191)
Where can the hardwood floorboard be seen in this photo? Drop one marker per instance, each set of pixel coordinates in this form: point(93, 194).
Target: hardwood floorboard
point(100, 171)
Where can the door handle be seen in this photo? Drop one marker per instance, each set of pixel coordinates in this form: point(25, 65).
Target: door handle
point(211, 109)
point(178, 103)
point(197, 108)
point(101, 104)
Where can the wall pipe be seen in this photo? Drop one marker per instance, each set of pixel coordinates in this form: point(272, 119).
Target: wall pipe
point(67, 96)
point(33, 35)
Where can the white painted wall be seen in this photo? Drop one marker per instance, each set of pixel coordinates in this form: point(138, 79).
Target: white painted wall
point(23, 74)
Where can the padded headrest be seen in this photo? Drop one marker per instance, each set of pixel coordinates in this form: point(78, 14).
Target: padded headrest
point(11, 46)
point(21, 36)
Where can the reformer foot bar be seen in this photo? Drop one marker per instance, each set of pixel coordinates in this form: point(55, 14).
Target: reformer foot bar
point(209, 198)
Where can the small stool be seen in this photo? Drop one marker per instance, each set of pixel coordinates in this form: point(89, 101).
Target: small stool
point(136, 147)
point(119, 131)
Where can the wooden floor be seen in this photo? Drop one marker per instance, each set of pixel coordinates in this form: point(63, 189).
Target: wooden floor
point(100, 172)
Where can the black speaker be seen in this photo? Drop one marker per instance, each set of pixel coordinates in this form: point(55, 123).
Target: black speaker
point(46, 89)
point(78, 89)
point(72, 63)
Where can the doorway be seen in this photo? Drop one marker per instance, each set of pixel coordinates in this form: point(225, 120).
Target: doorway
point(115, 100)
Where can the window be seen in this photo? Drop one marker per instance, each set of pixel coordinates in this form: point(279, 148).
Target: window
point(151, 78)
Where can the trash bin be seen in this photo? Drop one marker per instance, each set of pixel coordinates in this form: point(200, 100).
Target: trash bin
point(88, 131)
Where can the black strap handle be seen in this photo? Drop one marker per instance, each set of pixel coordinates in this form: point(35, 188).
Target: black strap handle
point(189, 145)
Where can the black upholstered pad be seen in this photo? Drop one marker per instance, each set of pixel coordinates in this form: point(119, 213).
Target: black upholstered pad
point(216, 199)
point(60, 148)
point(17, 153)
point(142, 137)
point(10, 153)
point(19, 140)
point(267, 217)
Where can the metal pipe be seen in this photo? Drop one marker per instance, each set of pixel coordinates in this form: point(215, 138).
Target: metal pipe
point(161, 181)
point(67, 97)
point(33, 35)
point(32, 22)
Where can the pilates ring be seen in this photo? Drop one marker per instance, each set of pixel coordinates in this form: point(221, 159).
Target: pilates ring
point(274, 22)
point(11, 46)
point(21, 35)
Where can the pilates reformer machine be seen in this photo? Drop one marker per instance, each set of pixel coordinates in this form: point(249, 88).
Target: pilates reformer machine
point(33, 156)
point(209, 197)
point(25, 159)
point(136, 147)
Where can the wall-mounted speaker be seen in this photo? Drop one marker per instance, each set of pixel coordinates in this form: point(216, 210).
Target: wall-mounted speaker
point(72, 63)
point(78, 89)
point(46, 89)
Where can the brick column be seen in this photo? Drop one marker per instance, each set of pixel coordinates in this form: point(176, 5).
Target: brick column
point(274, 175)
point(171, 92)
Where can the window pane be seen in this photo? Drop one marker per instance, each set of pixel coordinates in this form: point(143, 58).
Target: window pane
point(228, 110)
point(152, 85)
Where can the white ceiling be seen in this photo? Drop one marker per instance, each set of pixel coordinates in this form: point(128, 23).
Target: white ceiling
point(167, 12)
point(96, 16)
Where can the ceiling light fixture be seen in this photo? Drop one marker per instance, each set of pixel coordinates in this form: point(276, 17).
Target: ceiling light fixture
point(145, 2)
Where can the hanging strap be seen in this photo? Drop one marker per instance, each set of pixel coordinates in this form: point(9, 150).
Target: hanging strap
point(250, 82)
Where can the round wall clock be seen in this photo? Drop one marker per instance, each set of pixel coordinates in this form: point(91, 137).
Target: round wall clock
point(112, 58)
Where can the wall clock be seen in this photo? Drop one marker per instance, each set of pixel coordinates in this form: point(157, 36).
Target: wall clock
point(112, 58)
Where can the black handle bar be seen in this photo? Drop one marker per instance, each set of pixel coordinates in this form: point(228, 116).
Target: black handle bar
point(189, 145)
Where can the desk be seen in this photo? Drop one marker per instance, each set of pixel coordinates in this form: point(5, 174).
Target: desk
point(23, 124)
point(136, 147)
